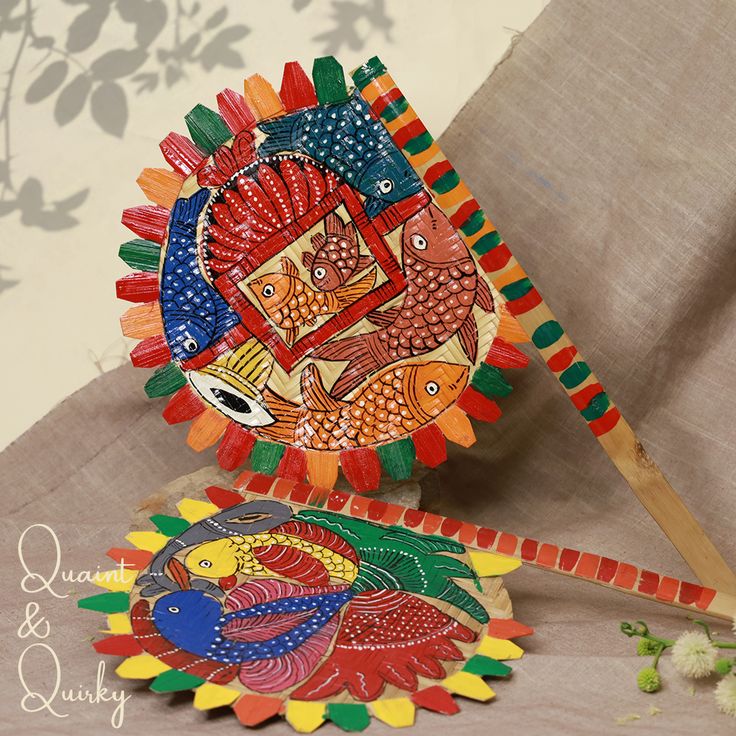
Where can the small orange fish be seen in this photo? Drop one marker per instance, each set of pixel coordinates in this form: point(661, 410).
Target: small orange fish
point(393, 403)
point(290, 302)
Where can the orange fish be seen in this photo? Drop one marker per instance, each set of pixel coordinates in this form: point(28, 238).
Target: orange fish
point(290, 302)
point(395, 402)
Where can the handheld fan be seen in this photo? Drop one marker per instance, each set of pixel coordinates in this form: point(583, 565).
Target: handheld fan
point(278, 598)
point(318, 289)
point(311, 296)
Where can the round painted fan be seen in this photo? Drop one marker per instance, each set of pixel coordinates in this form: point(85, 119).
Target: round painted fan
point(305, 297)
point(279, 598)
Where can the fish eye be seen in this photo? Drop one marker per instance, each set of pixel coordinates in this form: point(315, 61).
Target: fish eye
point(232, 401)
point(268, 290)
point(205, 563)
point(385, 186)
point(418, 242)
point(190, 345)
point(173, 609)
point(319, 272)
point(432, 388)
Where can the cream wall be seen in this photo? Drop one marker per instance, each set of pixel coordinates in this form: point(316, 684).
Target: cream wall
point(58, 311)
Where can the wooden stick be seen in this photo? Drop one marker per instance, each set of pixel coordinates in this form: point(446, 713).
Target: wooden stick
point(561, 356)
point(586, 566)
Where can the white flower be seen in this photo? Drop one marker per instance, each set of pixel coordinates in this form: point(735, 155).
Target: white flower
point(694, 654)
point(726, 695)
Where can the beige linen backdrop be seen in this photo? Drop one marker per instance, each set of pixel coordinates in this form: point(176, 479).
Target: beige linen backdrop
point(604, 149)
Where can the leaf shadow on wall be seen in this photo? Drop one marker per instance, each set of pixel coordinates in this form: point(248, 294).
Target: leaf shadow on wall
point(160, 42)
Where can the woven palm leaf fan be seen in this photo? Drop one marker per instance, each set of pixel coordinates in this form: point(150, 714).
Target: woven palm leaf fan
point(308, 296)
point(278, 598)
point(281, 599)
point(318, 289)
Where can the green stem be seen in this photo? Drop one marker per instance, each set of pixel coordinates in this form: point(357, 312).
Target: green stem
point(664, 643)
point(705, 627)
point(641, 630)
point(657, 656)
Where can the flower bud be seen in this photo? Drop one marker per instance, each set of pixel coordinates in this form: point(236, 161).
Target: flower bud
point(648, 680)
point(646, 647)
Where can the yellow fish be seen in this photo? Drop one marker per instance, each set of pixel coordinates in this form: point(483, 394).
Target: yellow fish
point(251, 555)
point(233, 383)
point(290, 302)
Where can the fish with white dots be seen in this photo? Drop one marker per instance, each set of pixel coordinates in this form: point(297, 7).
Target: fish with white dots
point(349, 139)
point(195, 315)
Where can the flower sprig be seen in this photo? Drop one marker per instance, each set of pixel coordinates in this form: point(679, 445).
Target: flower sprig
point(695, 654)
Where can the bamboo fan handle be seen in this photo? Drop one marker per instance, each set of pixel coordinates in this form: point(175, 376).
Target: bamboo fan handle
point(527, 305)
point(586, 566)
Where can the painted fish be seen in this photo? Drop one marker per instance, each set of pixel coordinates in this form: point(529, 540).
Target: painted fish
point(271, 633)
point(306, 553)
point(256, 204)
point(277, 624)
point(233, 383)
point(395, 402)
point(251, 517)
point(349, 139)
point(336, 254)
point(290, 303)
point(317, 547)
point(194, 314)
point(443, 286)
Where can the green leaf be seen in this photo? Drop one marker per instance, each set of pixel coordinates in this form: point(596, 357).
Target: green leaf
point(165, 381)
point(490, 381)
point(486, 666)
point(171, 526)
point(349, 716)
point(397, 458)
point(142, 255)
point(116, 602)
point(329, 81)
point(207, 128)
point(266, 456)
point(173, 681)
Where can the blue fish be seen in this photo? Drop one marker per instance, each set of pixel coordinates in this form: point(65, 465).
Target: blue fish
point(348, 139)
point(194, 314)
point(194, 622)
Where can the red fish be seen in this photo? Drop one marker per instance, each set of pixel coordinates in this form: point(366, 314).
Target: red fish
point(336, 254)
point(443, 287)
